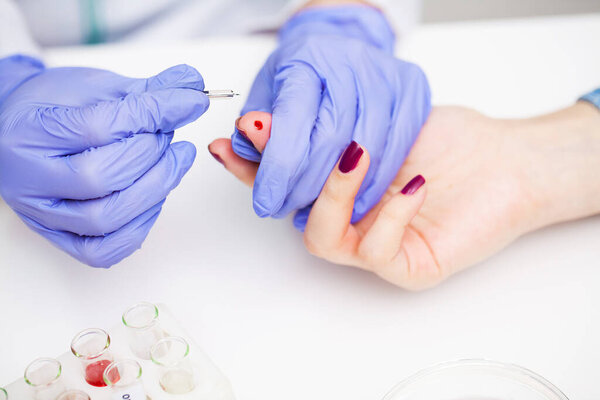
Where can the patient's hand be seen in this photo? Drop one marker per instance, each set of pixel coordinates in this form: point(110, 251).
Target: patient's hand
point(488, 181)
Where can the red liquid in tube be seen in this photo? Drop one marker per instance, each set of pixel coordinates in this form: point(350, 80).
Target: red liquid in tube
point(94, 371)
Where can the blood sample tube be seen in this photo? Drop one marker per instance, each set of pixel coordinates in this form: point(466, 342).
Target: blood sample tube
point(176, 375)
point(143, 328)
point(91, 346)
point(129, 385)
point(44, 378)
point(73, 395)
point(3, 394)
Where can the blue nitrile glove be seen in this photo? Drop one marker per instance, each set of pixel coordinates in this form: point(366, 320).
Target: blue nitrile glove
point(86, 158)
point(333, 79)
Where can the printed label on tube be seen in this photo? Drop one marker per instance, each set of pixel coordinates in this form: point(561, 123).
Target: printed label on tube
point(129, 393)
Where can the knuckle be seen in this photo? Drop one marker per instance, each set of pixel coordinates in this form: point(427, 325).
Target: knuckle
point(90, 181)
point(392, 211)
point(311, 246)
point(193, 74)
point(89, 122)
point(335, 192)
point(315, 248)
point(10, 127)
point(90, 254)
point(97, 223)
point(372, 258)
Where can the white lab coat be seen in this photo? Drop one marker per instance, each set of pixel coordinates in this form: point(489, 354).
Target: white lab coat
point(27, 26)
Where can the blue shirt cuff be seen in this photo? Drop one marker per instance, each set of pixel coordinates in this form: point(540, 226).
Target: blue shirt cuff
point(592, 97)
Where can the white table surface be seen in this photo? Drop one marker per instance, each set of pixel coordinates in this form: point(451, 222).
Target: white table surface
point(282, 324)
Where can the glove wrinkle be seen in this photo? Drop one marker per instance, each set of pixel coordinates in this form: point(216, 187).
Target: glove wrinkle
point(86, 158)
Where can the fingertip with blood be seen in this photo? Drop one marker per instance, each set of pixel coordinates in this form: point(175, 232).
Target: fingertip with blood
point(256, 127)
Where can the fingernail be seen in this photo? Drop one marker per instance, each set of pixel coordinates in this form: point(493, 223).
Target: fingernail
point(414, 185)
point(237, 126)
point(216, 157)
point(351, 157)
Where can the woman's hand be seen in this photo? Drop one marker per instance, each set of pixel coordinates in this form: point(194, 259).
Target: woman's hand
point(488, 182)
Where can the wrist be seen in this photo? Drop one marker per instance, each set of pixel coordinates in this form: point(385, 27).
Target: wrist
point(356, 20)
point(557, 159)
point(16, 69)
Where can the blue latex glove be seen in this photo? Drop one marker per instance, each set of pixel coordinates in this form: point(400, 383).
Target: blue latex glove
point(86, 158)
point(333, 79)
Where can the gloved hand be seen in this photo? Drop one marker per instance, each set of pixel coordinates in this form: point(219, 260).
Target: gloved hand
point(86, 158)
point(333, 79)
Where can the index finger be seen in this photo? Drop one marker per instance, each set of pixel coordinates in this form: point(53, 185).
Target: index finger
point(75, 130)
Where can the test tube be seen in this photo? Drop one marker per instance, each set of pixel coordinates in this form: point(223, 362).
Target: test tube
point(176, 375)
point(143, 328)
point(91, 346)
point(124, 377)
point(3, 394)
point(43, 376)
point(73, 395)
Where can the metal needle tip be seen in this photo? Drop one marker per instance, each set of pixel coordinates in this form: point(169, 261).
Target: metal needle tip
point(220, 94)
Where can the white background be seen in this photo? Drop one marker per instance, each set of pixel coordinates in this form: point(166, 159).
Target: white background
point(282, 324)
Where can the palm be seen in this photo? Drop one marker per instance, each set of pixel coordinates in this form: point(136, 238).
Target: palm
point(471, 208)
point(474, 203)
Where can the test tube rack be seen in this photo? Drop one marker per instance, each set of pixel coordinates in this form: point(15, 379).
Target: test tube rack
point(211, 384)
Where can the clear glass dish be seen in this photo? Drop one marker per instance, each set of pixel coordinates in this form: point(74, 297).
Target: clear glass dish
point(475, 380)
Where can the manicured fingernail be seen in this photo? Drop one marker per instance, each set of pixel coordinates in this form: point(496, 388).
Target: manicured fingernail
point(216, 157)
point(258, 124)
point(351, 157)
point(414, 185)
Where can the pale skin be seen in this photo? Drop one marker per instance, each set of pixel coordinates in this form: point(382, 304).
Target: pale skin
point(489, 181)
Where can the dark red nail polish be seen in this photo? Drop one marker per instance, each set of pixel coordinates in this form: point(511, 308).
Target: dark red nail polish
point(258, 124)
point(414, 185)
point(217, 157)
point(351, 157)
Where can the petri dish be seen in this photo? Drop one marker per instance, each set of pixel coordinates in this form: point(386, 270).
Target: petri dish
point(475, 380)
